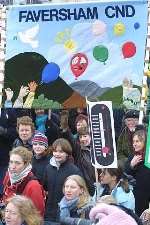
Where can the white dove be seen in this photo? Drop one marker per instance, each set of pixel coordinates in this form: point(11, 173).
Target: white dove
point(28, 36)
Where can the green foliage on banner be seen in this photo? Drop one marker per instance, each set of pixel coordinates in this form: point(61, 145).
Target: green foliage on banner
point(44, 103)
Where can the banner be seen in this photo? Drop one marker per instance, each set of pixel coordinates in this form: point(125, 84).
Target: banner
point(58, 54)
point(103, 151)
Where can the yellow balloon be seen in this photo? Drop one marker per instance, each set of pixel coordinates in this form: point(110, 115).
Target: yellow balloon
point(70, 45)
point(119, 29)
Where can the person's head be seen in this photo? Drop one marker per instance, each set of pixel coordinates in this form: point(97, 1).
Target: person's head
point(39, 111)
point(19, 210)
point(61, 149)
point(139, 140)
point(111, 177)
point(105, 214)
point(108, 199)
point(25, 128)
point(81, 121)
point(75, 187)
point(39, 143)
point(20, 158)
point(84, 136)
point(131, 119)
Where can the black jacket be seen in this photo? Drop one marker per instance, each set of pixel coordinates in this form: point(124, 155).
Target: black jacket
point(53, 183)
point(141, 174)
point(8, 134)
point(39, 166)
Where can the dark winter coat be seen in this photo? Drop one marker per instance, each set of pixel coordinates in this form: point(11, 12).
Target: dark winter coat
point(19, 142)
point(82, 159)
point(53, 183)
point(39, 166)
point(8, 134)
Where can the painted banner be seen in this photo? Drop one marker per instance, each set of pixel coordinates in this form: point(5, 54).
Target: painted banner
point(103, 151)
point(58, 54)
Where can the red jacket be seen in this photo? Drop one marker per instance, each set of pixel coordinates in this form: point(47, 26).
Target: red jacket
point(29, 187)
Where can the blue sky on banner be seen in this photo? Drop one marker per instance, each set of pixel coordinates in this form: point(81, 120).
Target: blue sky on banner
point(41, 30)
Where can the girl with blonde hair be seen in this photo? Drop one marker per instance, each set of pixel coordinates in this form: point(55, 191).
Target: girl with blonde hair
point(76, 201)
point(20, 210)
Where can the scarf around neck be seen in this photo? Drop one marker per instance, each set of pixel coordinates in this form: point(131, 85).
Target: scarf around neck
point(66, 206)
point(15, 177)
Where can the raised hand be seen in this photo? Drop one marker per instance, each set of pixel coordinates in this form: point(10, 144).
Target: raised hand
point(9, 94)
point(136, 160)
point(32, 86)
point(24, 90)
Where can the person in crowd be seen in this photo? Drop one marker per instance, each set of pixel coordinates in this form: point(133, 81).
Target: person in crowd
point(113, 182)
point(20, 210)
point(104, 214)
point(135, 167)
point(82, 158)
point(80, 122)
point(145, 217)
point(52, 126)
point(47, 122)
point(76, 201)
point(81, 153)
point(41, 155)
point(124, 143)
point(20, 180)
point(40, 120)
point(25, 128)
point(56, 172)
point(8, 134)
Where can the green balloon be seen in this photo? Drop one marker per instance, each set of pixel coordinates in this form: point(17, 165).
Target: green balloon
point(100, 53)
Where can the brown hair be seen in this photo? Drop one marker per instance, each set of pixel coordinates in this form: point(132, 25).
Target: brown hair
point(27, 211)
point(141, 135)
point(118, 173)
point(64, 144)
point(23, 152)
point(81, 117)
point(25, 120)
point(83, 131)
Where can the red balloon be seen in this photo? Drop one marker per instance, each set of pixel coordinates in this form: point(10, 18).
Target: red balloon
point(128, 49)
point(78, 64)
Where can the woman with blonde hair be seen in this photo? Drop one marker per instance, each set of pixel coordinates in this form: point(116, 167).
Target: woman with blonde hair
point(20, 180)
point(20, 210)
point(76, 202)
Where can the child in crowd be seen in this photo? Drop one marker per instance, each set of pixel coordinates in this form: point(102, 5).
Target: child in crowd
point(113, 182)
point(41, 155)
point(82, 158)
point(56, 172)
point(135, 167)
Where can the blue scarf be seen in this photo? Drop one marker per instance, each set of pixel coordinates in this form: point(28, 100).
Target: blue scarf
point(66, 206)
point(40, 123)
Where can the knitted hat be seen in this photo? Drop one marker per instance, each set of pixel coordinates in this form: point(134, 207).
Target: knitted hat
point(110, 214)
point(41, 139)
point(131, 114)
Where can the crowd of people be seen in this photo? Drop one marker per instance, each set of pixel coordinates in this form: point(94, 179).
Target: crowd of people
point(46, 174)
